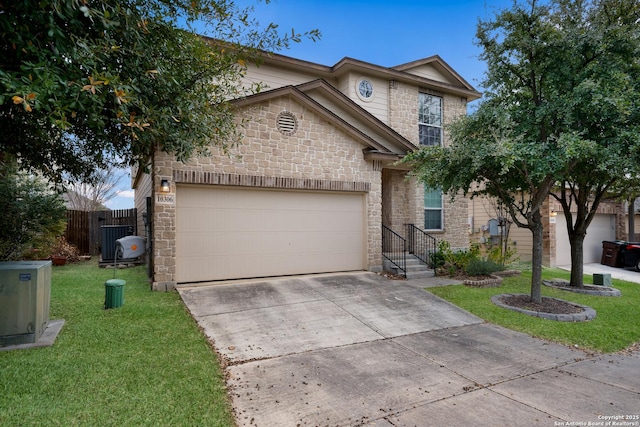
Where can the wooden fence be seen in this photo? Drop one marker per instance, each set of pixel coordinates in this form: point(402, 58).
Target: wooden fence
point(83, 228)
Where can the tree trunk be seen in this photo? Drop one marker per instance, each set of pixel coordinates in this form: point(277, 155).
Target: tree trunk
point(535, 224)
point(576, 240)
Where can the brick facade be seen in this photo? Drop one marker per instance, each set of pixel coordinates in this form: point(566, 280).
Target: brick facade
point(403, 103)
point(318, 157)
point(325, 152)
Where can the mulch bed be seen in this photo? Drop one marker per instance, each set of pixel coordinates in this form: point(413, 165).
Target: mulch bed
point(599, 290)
point(548, 305)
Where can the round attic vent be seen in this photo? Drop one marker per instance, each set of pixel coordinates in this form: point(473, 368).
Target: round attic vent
point(287, 123)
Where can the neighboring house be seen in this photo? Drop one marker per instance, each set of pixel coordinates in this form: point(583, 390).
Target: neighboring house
point(314, 179)
point(608, 224)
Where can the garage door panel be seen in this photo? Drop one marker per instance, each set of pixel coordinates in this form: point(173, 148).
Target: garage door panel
point(259, 265)
point(290, 242)
point(226, 233)
point(601, 228)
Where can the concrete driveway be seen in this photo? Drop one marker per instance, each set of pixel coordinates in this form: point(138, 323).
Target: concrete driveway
point(361, 350)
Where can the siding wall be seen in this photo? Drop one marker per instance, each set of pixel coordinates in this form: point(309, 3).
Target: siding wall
point(429, 72)
point(275, 78)
point(378, 105)
point(481, 209)
point(142, 191)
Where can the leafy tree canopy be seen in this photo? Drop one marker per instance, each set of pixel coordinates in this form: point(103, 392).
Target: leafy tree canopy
point(561, 106)
point(86, 83)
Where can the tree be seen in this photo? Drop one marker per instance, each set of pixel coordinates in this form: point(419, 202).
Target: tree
point(491, 156)
point(83, 83)
point(33, 213)
point(93, 195)
point(507, 146)
point(559, 113)
point(599, 85)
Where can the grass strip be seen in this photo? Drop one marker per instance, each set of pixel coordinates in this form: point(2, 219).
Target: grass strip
point(143, 364)
point(614, 328)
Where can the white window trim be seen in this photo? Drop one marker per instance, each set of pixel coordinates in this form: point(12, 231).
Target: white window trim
point(440, 127)
point(441, 209)
point(373, 89)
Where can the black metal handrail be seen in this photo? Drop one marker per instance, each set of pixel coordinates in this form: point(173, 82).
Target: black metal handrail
point(421, 244)
point(394, 249)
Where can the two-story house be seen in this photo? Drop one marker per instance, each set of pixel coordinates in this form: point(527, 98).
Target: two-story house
point(315, 177)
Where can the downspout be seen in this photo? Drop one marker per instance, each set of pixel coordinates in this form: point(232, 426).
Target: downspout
point(632, 220)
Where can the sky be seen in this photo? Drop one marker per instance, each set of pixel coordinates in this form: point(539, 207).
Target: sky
point(381, 32)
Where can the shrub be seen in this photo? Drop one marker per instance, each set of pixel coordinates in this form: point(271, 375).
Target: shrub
point(33, 214)
point(502, 255)
point(455, 262)
point(65, 249)
point(482, 267)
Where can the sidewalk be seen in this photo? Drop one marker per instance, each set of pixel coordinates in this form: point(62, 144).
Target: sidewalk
point(628, 274)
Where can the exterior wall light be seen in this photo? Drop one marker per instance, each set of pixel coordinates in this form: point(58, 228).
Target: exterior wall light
point(164, 186)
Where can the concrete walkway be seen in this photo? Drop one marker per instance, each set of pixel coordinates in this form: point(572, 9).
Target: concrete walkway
point(361, 350)
point(629, 273)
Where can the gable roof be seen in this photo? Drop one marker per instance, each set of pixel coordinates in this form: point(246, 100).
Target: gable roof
point(347, 103)
point(375, 135)
point(438, 63)
point(404, 72)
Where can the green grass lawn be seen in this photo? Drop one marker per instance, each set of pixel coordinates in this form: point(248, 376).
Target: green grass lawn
point(143, 364)
point(616, 326)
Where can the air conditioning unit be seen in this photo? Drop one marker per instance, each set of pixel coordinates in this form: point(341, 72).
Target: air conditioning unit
point(25, 295)
point(130, 247)
point(109, 235)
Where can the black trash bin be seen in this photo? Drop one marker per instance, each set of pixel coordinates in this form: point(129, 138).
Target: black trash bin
point(612, 253)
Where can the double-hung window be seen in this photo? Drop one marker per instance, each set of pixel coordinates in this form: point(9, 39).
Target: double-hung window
point(433, 209)
point(430, 119)
point(430, 134)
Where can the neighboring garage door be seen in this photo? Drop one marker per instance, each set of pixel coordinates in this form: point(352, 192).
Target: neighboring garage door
point(601, 228)
point(231, 233)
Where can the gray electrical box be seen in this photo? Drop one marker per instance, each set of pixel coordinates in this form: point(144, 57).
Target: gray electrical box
point(25, 295)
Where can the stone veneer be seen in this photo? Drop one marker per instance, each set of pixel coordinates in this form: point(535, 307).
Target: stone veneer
point(318, 156)
point(403, 103)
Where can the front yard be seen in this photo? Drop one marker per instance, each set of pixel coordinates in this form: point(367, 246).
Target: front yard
point(144, 364)
point(615, 327)
point(147, 363)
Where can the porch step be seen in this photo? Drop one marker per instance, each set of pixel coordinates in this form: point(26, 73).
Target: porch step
point(416, 269)
point(419, 273)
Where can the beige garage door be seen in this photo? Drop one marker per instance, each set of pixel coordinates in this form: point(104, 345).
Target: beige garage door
point(230, 233)
point(601, 228)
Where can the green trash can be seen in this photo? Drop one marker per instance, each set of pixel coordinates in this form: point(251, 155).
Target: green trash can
point(113, 293)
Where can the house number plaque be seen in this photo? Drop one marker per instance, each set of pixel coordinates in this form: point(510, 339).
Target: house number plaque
point(166, 199)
